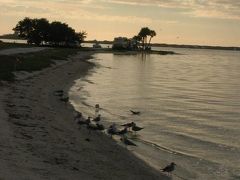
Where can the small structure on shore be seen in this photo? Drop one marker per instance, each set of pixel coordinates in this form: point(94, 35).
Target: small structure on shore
point(97, 45)
point(123, 43)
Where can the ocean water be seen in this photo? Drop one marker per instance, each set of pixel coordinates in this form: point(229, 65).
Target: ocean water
point(189, 103)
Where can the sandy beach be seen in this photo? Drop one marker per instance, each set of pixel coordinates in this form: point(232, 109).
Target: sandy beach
point(40, 140)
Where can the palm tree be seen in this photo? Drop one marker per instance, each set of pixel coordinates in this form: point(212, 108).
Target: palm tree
point(152, 34)
point(144, 32)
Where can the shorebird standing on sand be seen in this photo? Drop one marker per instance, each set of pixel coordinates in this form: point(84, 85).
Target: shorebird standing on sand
point(112, 130)
point(123, 131)
point(136, 128)
point(169, 168)
point(128, 125)
point(97, 119)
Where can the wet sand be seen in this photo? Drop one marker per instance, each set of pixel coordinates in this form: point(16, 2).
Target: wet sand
point(40, 140)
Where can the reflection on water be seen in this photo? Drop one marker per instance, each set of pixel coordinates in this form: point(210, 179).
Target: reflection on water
point(189, 107)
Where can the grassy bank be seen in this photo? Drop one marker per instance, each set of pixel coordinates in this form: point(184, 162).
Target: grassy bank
point(31, 61)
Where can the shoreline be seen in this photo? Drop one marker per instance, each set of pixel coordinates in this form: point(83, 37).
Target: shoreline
point(40, 140)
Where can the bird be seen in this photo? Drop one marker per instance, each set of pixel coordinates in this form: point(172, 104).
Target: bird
point(112, 130)
point(88, 120)
point(97, 119)
point(127, 142)
point(136, 128)
point(135, 112)
point(100, 127)
point(90, 127)
point(123, 131)
point(128, 125)
point(65, 99)
point(169, 168)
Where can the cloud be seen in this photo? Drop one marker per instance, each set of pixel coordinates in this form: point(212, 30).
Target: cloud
point(62, 9)
point(222, 9)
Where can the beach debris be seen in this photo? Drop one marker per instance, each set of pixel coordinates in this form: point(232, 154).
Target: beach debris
point(169, 168)
point(127, 142)
point(87, 139)
point(136, 128)
point(135, 112)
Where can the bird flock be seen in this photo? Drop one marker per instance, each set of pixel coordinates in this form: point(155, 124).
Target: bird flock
point(112, 130)
point(96, 125)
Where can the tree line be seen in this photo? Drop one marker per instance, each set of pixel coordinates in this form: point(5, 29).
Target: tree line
point(41, 31)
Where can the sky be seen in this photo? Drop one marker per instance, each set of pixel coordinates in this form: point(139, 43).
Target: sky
point(196, 22)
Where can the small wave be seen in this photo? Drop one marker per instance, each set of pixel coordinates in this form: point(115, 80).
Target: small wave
point(86, 104)
point(202, 142)
point(160, 147)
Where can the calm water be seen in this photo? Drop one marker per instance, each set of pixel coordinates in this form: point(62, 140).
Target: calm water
point(14, 41)
point(189, 103)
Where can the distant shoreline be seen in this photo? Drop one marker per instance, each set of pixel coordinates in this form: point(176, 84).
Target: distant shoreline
point(6, 45)
point(233, 48)
point(181, 46)
point(230, 48)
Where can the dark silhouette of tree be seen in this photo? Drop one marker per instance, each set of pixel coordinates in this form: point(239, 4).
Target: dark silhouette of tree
point(81, 36)
point(152, 34)
point(34, 30)
point(40, 31)
point(24, 28)
point(143, 34)
point(138, 39)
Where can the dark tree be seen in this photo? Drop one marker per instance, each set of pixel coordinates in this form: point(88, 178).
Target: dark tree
point(152, 34)
point(143, 34)
point(81, 36)
point(24, 28)
point(40, 31)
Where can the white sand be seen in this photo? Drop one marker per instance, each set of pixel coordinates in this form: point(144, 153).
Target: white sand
point(40, 140)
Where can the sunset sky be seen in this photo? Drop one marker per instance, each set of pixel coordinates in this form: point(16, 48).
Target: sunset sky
point(205, 22)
